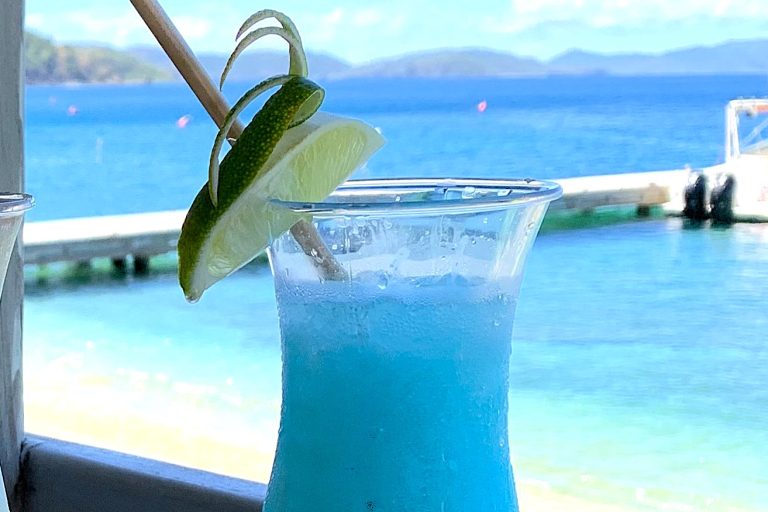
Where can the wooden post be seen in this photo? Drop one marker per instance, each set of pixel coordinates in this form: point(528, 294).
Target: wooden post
point(11, 179)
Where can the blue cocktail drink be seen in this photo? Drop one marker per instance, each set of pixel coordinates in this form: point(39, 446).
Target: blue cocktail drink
point(395, 376)
point(394, 404)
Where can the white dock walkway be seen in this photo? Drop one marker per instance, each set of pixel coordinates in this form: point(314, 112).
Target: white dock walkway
point(111, 236)
point(641, 189)
point(144, 235)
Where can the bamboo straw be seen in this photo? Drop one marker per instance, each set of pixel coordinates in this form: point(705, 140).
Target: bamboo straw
point(174, 45)
point(185, 61)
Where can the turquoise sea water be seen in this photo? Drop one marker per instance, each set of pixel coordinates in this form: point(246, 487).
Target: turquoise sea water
point(123, 152)
point(638, 367)
point(640, 361)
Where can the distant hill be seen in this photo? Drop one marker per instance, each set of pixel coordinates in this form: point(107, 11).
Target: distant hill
point(449, 62)
point(737, 57)
point(251, 66)
point(46, 62)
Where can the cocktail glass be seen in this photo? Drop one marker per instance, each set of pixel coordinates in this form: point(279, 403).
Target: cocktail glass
point(396, 375)
point(12, 208)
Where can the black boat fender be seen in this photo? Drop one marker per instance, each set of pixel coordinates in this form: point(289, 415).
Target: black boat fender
point(696, 198)
point(721, 201)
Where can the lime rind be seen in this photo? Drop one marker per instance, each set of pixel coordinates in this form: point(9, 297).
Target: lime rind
point(308, 108)
point(248, 155)
point(298, 63)
point(264, 14)
point(305, 110)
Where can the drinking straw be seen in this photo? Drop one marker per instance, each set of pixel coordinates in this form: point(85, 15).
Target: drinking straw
point(177, 49)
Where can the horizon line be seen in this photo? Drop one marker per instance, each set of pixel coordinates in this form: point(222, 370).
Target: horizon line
point(501, 51)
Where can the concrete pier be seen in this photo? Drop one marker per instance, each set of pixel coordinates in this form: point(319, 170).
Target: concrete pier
point(140, 235)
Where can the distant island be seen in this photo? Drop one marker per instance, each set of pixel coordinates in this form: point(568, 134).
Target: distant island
point(49, 63)
point(252, 66)
point(467, 62)
point(46, 62)
point(256, 65)
point(733, 58)
point(739, 57)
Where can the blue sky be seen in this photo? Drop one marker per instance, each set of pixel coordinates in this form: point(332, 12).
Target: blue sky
point(359, 30)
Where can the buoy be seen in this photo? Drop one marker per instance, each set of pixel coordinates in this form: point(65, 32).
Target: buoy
point(482, 106)
point(183, 121)
point(72, 110)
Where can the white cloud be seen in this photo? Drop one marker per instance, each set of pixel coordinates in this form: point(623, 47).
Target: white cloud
point(604, 20)
point(125, 27)
point(373, 17)
point(117, 29)
point(192, 27)
point(334, 17)
point(523, 14)
point(367, 17)
point(34, 20)
point(340, 24)
point(722, 7)
point(322, 28)
point(397, 22)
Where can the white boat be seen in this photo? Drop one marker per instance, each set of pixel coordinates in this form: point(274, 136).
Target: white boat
point(737, 189)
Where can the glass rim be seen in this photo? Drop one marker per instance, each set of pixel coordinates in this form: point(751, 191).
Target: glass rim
point(14, 203)
point(509, 192)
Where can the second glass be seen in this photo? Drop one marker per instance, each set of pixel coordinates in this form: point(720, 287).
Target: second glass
point(12, 209)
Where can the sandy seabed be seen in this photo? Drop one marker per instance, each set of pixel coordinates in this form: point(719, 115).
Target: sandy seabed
point(189, 430)
point(208, 446)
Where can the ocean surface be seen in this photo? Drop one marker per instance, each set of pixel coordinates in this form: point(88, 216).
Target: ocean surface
point(640, 363)
point(123, 152)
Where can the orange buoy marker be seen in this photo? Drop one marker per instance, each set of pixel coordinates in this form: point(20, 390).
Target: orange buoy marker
point(482, 106)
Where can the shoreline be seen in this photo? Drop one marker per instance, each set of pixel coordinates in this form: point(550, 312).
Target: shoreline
point(196, 429)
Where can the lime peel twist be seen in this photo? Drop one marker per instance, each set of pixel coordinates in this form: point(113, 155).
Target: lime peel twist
point(297, 67)
point(288, 32)
point(298, 60)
